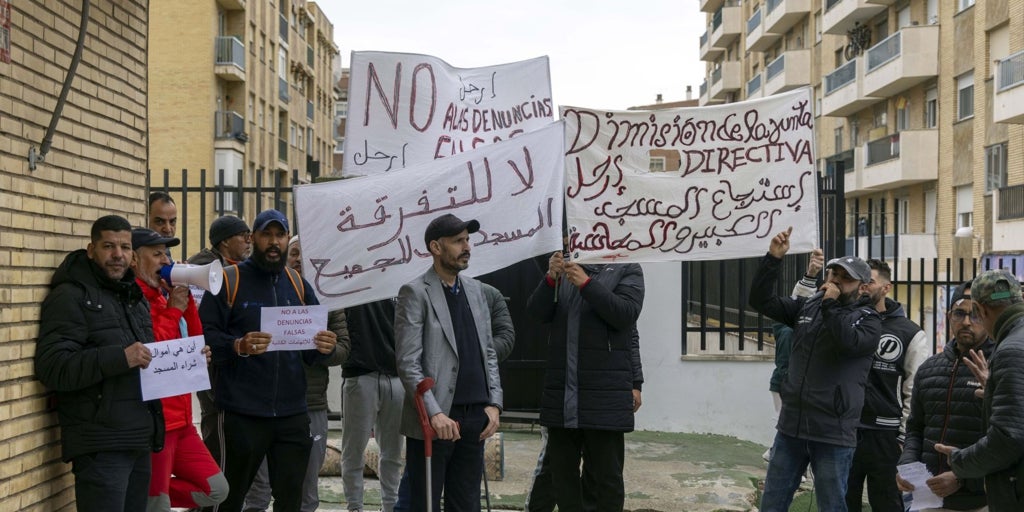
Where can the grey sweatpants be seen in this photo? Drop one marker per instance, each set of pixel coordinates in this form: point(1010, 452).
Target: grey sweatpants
point(371, 402)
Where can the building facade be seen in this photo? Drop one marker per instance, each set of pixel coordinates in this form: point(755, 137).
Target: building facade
point(243, 86)
point(95, 166)
point(919, 108)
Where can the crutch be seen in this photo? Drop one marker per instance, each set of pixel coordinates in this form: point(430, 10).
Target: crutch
point(428, 434)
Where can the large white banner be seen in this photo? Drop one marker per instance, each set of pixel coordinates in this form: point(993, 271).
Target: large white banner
point(734, 176)
point(405, 109)
point(362, 238)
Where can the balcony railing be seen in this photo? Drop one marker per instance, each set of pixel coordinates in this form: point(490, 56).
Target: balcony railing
point(283, 28)
point(309, 56)
point(754, 21)
point(282, 90)
point(777, 66)
point(716, 75)
point(885, 148)
point(1011, 71)
point(229, 124)
point(716, 20)
point(840, 77)
point(885, 51)
point(771, 5)
point(831, 3)
point(282, 150)
point(754, 84)
point(309, 109)
point(1011, 202)
point(704, 88)
point(230, 51)
point(704, 39)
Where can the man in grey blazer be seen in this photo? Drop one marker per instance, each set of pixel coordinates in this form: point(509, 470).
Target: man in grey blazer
point(443, 331)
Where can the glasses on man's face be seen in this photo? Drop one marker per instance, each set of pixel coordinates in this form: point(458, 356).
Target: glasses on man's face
point(959, 315)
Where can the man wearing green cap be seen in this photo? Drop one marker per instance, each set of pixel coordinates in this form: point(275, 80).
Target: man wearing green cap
point(999, 455)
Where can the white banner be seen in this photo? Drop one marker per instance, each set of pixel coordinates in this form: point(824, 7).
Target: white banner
point(178, 367)
point(363, 237)
point(405, 109)
point(734, 176)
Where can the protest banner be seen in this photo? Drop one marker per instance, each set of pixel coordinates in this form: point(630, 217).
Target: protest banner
point(292, 327)
point(746, 171)
point(369, 230)
point(405, 109)
point(178, 367)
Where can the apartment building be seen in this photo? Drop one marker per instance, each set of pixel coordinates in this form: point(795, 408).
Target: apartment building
point(244, 86)
point(919, 109)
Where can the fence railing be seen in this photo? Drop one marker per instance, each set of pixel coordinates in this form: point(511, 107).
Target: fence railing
point(841, 76)
point(1011, 71)
point(230, 51)
point(1011, 202)
point(888, 49)
point(882, 149)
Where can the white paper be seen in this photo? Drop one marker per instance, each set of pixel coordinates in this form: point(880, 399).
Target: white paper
point(916, 473)
point(178, 367)
point(293, 327)
point(734, 176)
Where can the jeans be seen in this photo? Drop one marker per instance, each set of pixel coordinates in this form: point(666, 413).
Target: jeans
point(790, 457)
point(113, 481)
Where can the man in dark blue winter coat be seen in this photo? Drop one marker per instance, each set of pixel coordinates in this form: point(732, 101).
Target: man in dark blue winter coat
point(835, 334)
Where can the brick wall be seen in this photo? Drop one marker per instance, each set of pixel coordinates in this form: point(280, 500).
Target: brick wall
point(96, 166)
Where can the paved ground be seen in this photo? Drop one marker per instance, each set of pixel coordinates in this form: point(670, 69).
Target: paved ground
point(664, 472)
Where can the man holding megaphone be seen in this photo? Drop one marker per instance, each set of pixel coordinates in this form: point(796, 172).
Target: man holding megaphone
point(184, 473)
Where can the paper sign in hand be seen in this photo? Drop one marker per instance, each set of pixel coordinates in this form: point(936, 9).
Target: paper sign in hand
point(293, 327)
point(178, 367)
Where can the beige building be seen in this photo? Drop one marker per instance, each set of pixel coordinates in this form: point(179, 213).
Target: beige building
point(240, 85)
point(95, 166)
point(919, 106)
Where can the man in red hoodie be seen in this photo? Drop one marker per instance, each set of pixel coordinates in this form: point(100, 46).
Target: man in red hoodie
point(184, 473)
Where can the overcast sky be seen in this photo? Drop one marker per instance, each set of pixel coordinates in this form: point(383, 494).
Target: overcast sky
point(603, 53)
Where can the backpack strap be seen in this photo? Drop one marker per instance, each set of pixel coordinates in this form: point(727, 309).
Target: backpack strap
point(297, 283)
point(231, 283)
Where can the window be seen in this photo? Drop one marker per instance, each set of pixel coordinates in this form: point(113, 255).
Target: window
point(880, 114)
point(854, 136)
point(657, 164)
point(839, 139)
point(902, 119)
point(995, 167)
point(965, 96)
point(964, 206)
point(903, 213)
point(291, 134)
point(963, 4)
point(931, 108)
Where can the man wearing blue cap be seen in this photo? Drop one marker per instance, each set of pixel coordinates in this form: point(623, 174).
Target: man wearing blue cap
point(836, 332)
point(261, 394)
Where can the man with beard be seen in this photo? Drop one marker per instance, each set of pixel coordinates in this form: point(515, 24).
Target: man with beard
point(261, 394)
point(945, 409)
point(443, 331)
point(836, 331)
point(92, 330)
point(903, 346)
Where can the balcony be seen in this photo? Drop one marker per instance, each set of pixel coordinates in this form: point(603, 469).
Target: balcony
point(754, 89)
point(844, 93)
point(282, 90)
point(1008, 104)
point(902, 60)
point(842, 15)
point(788, 71)
point(758, 40)
point(725, 79)
point(711, 5)
point(709, 53)
point(900, 159)
point(782, 15)
point(228, 124)
point(229, 61)
point(726, 26)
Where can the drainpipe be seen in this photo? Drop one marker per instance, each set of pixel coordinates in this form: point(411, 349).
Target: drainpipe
point(44, 147)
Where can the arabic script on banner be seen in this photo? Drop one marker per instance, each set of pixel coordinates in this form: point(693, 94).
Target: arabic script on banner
point(178, 367)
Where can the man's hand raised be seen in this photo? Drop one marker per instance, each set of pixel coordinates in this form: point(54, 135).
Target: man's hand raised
point(780, 244)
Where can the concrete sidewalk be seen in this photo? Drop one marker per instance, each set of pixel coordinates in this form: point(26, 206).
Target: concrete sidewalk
point(664, 472)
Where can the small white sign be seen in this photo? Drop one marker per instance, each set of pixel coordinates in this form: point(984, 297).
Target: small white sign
point(917, 474)
point(178, 367)
point(293, 327)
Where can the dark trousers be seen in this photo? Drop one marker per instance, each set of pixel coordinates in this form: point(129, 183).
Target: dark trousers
point(875, 461)
point(602, 453)
point(285, 443)
point(541, 497)
point(455, 467)
point(115, 481)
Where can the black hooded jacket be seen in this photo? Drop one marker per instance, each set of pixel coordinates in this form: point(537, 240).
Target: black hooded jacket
point(86, 322)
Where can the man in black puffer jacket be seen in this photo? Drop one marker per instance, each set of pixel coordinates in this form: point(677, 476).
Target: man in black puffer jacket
point(92, 328)
point(590, 392)
point(999, 454)
point(836, 331)
point(944, 408)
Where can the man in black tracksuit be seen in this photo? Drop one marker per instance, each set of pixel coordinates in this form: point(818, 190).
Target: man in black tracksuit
point(944, 408)
point(835, 333)
point(901, 349)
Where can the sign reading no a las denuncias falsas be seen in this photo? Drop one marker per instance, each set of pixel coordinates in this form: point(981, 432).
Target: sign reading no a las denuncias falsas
point(405, 109)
